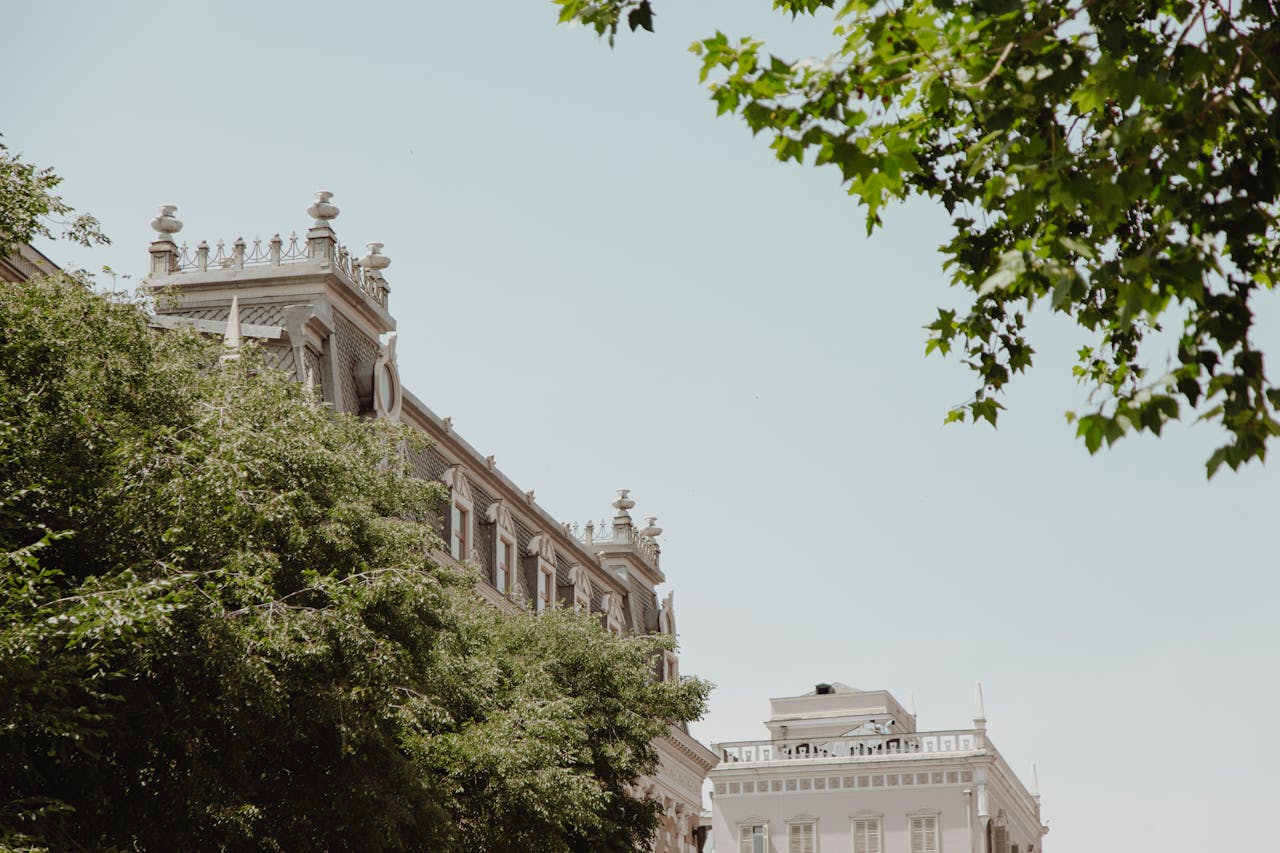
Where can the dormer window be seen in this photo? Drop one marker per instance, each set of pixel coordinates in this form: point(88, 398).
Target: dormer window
point(461, 529)
point(543, 550)
point(546, 588)
point(461, 513)
point(504, 547)
point(613, 620)
point(581, 589)
point(506, 556)
point(670, 666)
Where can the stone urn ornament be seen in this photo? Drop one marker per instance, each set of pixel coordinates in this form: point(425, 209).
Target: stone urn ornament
point(321, 210)
point(165, 223)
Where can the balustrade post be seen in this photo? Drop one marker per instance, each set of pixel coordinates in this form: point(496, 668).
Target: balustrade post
point(237, 256)
point(373, 264)
point(164, 252)
point(321, 240)
point(276, 244)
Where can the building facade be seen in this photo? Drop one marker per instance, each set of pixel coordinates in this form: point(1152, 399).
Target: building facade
point(847, 771)
point(25, 262)
point(321, 314)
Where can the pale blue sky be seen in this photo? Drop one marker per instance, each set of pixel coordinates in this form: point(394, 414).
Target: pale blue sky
point(658, 305)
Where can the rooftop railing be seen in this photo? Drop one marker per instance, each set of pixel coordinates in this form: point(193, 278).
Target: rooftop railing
point(275, 252)
point(854, 747)
point(605, 533)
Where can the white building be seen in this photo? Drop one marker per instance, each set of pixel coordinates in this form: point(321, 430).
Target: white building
point(846, 771)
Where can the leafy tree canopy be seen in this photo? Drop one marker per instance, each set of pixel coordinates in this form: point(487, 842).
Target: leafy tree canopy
point(220, 630)
point(1117, 159)
point(29, 208)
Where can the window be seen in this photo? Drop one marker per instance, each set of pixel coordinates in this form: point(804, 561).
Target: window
point(866, 835)
point(1000, 838)
point(670, 666)
point(460, 531)
point(753, 838)
point(800, 837)
point(506, 558)
point(924, 834)
point(546, 586)
point(460, 513)
point(613, 619)
point(581, 588)
point(543, 581)
point(504, 546)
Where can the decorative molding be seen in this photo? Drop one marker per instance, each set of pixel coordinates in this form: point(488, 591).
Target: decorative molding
point(455, 477)
point(542, 546)
point(499, 514)
point(667, 614)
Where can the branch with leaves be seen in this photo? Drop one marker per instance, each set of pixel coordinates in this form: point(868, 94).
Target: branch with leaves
point(29, 207)
point(1118, 161)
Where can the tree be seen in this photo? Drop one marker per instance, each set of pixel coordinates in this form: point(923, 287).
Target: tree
point(1117, 159)
point(219, 629)
point(29, 208)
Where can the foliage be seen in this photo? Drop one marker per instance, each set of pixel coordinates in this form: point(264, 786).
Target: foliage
point(28, 206)
point(1117, 159)
point(219, 629)
point(605, 17)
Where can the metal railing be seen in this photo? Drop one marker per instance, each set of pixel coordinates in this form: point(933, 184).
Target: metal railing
point(606, 534)
point(275, 252)
point(853, 747)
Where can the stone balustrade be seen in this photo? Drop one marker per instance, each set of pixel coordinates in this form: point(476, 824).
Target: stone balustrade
point(854, 747)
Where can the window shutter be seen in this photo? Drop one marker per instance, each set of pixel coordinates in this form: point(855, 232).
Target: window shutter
point(753, 839)
point(800, 838)
point(866, 836)
point(924, 835)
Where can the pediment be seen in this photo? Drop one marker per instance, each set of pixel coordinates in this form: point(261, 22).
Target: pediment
point(455, 477)
point(499, 514)
point(542, 546)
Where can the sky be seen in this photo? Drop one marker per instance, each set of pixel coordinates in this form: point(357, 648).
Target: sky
point(609, 287)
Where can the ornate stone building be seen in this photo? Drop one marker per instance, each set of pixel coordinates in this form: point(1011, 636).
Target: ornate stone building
point(847, 770)
point(25, 262)
point(321, 314)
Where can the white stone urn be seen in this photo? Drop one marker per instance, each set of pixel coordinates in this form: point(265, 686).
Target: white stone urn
point(375, 260)
point(321, 210)
point(165, 223)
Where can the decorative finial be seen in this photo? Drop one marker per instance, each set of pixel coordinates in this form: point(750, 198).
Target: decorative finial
point(321, 210)
point(653, 531)
point(166, 223)
point(448, 424)
point(913, 704)
point(623, 503)
point(375, 261)
point(1035, 782)
point(489, 461)
point(979, 712)
point(529, 496)
point(231, 338)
